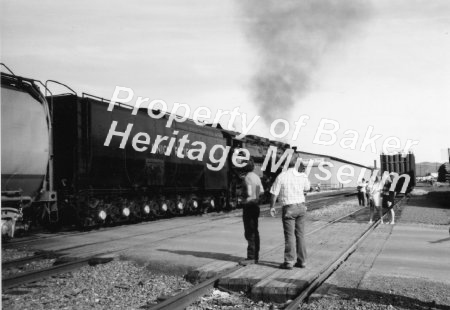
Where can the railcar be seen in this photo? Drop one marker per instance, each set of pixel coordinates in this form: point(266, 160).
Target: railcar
point(27, 166)
point(68, 159)
point(114, 182)
point(402, 164)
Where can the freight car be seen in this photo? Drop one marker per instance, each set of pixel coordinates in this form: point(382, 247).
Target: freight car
point(61, 164)
point(27, 162)
point(402, 164)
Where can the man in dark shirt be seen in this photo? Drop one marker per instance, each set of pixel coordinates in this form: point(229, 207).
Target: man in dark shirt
point(250, 212)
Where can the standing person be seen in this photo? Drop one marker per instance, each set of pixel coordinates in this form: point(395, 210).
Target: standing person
point(362, 199)
point(367, 193)
point(388, 197)
point(289, 187)
point(375, 198)
point(250, 205)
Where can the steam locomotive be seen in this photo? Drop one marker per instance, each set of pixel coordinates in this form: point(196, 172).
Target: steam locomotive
point(56, 169)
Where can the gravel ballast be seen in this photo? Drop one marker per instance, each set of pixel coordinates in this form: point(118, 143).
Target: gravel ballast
point(115, 285)
point(218, 299)
point(13, 254)
point(129, 285)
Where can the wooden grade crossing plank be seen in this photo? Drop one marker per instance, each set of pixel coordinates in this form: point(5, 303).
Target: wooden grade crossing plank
point(209, 270)
point(266, 282)
point(355, 269)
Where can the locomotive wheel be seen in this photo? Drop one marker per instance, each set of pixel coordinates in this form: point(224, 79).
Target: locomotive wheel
point(171, 207)
point(205, 207)
point(233, 204)
point(213, 205)
point(181, 206)
point(136, 214)
point(162, 209)
point(220, 203)
point(83, 223)
point(192, 207)
point(146, 211)
point(154, 209)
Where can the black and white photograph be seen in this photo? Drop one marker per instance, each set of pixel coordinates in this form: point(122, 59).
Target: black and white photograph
point(204, 155)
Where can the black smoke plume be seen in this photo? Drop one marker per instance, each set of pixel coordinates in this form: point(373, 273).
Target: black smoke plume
point(291, 37)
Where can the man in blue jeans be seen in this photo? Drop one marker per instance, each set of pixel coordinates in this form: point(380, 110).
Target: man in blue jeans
point(289, 188)
point(252, 189)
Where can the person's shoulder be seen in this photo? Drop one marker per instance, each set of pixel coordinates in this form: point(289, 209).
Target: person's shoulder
point(252, 176)
point(248, 176)
point(301, 174)
point(281, 174)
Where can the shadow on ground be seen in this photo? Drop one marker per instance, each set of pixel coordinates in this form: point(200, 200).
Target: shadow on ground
point(211, 255)
point(440, 240)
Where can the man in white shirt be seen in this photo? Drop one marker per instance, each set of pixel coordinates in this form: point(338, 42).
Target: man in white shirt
point(250, 212)
point(289, 187)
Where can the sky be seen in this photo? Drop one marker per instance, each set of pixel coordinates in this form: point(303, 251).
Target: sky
point(381, 67)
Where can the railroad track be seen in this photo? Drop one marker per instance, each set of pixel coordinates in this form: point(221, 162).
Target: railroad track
point(333, 266)
point(76, 263)
point(35, 275)
point(184, 299)
point(313, 204)
point(73, 264)
point(62, 251)
point(17, 242)
point(28, 259)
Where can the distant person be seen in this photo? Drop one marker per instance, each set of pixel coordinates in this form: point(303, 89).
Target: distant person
point(388, 197)
point(375, 198)
point(289, 188)
point(252, 188)
point(367, 193)
point(361, 188)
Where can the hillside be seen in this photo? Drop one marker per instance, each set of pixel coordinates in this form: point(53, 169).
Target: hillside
point(422, 169)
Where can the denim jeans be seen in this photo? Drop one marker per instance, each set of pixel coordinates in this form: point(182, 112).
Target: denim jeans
point(250, 217)
point(294, 233)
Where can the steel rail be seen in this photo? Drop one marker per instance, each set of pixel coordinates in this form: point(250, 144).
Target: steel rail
point(182, 300)
point(333, 266)
point(36, 275)
point(24, 260)
point(185, 298)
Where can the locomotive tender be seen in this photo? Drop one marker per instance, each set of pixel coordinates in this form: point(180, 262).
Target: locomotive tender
point(66, 159)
